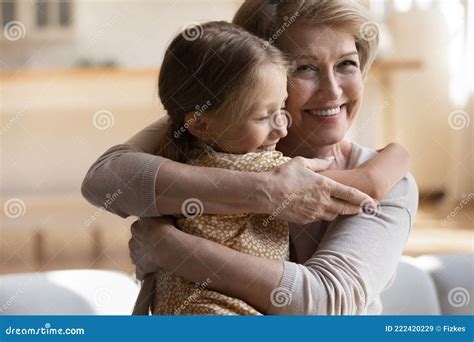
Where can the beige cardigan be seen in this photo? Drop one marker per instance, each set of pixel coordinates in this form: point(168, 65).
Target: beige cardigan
point(340, 267)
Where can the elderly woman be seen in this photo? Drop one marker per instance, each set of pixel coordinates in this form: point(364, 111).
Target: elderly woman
point(340, 264)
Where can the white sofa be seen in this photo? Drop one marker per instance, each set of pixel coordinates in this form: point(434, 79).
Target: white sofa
point(427, 285)
point(70, 292)
point(432, 285)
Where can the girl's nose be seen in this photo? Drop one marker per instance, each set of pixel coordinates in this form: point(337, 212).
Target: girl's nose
point(280, 126)
point(280, 133)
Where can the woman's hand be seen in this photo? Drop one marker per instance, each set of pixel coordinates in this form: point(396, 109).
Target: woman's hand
point(146, 236)
point(297, 193)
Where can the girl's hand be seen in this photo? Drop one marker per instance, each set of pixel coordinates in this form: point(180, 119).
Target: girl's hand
point(299, 194)
point(146, 236)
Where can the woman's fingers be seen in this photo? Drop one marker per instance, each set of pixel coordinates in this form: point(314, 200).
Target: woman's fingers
point(329, 216)
point(343, 208)
point(349, 194)
point(299, 194)
point(146, 234)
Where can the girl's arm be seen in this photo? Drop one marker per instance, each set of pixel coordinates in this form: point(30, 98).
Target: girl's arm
point(377, 176)
point(149, 185)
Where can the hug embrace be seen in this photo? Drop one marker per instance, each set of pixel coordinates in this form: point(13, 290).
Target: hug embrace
point(251, 199)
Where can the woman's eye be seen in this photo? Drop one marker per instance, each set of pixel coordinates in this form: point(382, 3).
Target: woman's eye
point(263, 118)
point(305, 68)
point(348, 64)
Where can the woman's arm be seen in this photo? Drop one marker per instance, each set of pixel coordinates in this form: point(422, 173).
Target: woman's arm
point(355, 261)
point(378, 175)
point(151, 185)
point(156, 242)
point(353, 264)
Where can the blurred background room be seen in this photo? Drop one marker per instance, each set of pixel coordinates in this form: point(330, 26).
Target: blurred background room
point(77, 77)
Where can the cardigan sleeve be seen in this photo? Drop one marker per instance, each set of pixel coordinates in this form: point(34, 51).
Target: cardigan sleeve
point(354, 262)
point(122, 180)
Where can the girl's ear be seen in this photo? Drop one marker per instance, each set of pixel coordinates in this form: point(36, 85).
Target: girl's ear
point(198, 125)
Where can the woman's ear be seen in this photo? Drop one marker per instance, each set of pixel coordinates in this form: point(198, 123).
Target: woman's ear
point(198, 125)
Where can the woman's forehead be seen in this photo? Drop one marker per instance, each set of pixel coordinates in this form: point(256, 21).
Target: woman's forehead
point(316, 41)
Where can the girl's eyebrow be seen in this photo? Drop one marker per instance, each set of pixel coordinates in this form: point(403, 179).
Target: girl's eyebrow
point(317, 58)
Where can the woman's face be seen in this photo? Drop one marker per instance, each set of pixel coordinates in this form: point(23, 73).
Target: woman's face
point(325, 87)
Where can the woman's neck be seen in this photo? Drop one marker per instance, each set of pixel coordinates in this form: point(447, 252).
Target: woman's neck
point(341, 151)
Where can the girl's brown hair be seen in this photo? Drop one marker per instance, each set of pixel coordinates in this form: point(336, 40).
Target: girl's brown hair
point(210, 69)
point(269, 19)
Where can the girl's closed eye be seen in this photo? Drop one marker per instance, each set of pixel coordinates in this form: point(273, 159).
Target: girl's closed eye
point(263, 118)
point(268, 116)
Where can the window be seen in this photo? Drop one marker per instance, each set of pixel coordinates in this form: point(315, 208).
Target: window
point(8, 12)
point(51, 19)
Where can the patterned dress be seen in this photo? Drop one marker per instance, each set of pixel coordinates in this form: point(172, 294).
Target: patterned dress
point(255, 234)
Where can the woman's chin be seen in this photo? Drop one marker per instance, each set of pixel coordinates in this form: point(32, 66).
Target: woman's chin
point(323, 131)
point(326, 138)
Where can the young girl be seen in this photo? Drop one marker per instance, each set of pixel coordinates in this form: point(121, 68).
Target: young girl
point(224, 93)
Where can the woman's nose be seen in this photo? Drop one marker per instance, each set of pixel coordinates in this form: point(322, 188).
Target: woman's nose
point(329, 88)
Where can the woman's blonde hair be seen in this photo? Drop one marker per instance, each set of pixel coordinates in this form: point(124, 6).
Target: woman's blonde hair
point(269, 19)
point(211, 69)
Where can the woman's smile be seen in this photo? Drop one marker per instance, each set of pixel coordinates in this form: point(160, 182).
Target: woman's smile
point(329, 114)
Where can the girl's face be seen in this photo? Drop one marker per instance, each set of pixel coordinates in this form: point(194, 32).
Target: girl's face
point(267, 123)
point(325, 86)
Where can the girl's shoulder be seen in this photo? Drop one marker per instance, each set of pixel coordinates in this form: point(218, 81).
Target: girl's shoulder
point(404, 193)
point(250, 162)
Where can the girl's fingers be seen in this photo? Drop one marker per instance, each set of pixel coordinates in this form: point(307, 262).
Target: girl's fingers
point(314, 164)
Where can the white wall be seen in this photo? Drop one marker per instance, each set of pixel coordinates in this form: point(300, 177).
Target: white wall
point(133, 33)
point(422, 104)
